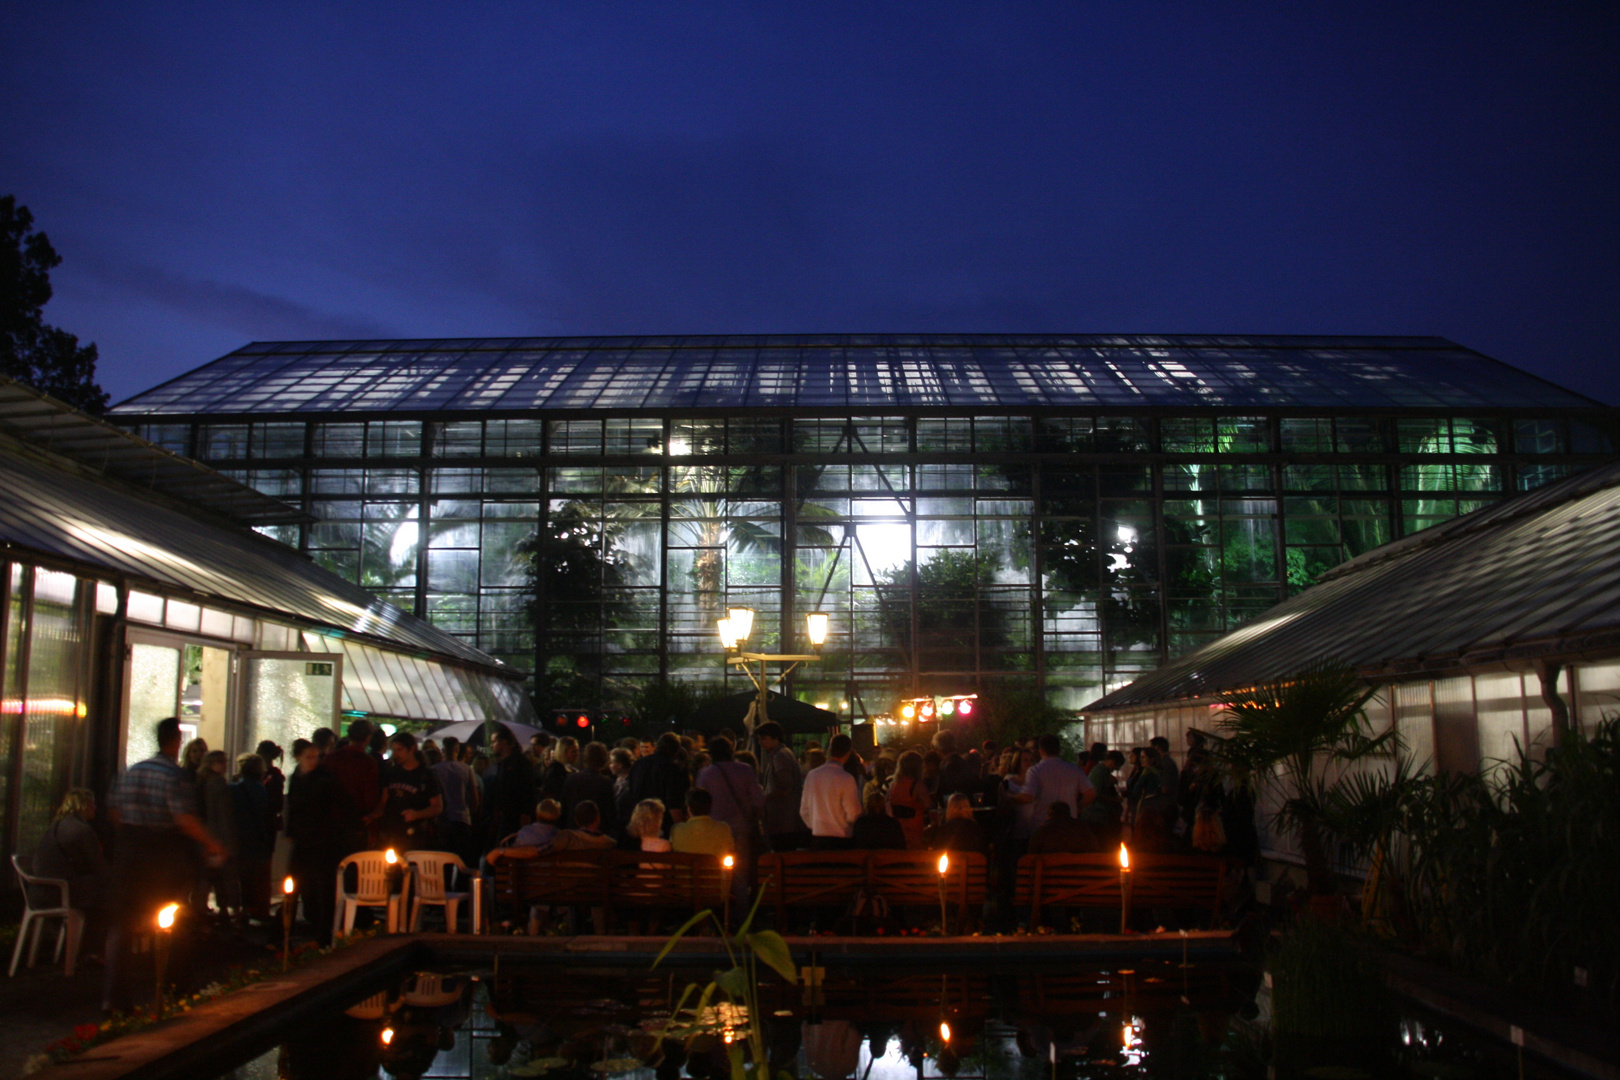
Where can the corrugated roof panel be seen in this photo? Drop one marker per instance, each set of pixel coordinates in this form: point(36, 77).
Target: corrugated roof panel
point(49, 511)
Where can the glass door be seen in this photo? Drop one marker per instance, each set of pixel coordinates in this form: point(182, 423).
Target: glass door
point(170, 676)
point(287, 695)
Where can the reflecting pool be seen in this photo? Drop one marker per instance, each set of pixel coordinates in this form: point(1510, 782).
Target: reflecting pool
point(1147, 1019)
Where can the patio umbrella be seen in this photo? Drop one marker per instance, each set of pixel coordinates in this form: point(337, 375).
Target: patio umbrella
point(476, 732)
point(796, 717)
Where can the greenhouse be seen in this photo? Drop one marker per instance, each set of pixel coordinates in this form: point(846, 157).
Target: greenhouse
point(1052, 513)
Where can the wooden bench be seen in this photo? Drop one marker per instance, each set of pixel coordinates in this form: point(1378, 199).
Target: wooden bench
point(823, 879)
point(1092, 881)
point(609, 879)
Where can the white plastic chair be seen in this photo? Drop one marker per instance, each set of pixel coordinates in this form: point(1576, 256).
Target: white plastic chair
point(371, 891)
point(430, 867)
point(34, 918)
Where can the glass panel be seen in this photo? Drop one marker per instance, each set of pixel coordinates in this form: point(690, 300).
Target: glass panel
point(1536, 437)
point(1307, 435)
point(1356, 436)
point(223, 442)
point(394, 438)
point(10, 690)
point(277, 441)
point(463, 438)
point(1187, 435)
point(287, 698)
point(154, 693)
point(339, 440)
point(1243, 435)
point(53, 713)
point(1586, 439)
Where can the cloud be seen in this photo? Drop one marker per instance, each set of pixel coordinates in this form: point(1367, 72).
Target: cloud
point(260, 316)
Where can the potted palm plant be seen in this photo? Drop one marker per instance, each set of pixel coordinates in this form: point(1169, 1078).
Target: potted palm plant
point(1291, 738)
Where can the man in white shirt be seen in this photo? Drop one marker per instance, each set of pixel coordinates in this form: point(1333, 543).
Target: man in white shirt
point(1052, 780)
point(831, 800)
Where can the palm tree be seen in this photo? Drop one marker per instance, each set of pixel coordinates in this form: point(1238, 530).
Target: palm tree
point(1290, 737)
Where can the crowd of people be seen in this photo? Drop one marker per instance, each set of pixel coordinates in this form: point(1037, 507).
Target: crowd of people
point(194, 827)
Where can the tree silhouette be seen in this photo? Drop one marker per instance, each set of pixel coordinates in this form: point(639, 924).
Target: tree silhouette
point(31, 351)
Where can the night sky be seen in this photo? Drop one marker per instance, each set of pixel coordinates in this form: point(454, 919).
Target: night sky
point(215, 174)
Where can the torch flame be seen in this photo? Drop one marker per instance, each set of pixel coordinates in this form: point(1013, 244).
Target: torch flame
point(390, 856)
point(166, 916)
point(944, 865)
point(288, 887)
point(728, 862)
point(387, 1036)
point(944, 1032)
point(1124, 858)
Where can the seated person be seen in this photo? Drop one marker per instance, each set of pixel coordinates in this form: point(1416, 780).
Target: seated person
point(1061, 833)
point(646, 827)
point(544, 829)
point(700, 833)
point(958, 832)
point(71, 851)
point(875, 830)
point(587, 833)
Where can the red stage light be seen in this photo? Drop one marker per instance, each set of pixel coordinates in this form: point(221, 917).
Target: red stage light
point(964, 707)
point(583, 721)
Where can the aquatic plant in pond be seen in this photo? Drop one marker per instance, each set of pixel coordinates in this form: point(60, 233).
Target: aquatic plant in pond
point(737, 1019)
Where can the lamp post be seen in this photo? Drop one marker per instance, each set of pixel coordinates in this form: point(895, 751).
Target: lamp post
point(165, 925)
point(944, 868)
point(289, 906)
point(734, 630)
point(1124, 889)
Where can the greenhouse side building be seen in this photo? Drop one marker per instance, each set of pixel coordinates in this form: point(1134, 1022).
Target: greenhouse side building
point(1482, 635)
point(1057, 513)
point(133, 588)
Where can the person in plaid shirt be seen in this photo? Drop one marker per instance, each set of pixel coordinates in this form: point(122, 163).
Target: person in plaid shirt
point(154, 807)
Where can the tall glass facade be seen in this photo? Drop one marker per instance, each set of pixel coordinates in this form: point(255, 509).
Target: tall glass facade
point(1059, 513)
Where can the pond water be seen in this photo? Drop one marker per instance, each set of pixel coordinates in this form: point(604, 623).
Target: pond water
point(1147, 1019)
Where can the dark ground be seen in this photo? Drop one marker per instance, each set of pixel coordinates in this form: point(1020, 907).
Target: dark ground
point(41, 1005)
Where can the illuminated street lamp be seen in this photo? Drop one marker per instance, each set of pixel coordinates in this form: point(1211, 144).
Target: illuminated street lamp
point(734, 630)
point(816, 625)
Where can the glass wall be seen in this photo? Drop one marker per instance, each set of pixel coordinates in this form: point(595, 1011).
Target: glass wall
point(1067, 552)
point(44, 682)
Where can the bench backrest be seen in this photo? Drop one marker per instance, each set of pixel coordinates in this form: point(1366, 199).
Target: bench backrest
point(611, 879)
point(1092, 880)
point(833, 878)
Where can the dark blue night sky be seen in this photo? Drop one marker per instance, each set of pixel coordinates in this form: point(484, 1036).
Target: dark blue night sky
point(215, 174)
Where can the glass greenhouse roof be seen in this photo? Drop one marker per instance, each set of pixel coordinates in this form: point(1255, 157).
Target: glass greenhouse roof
point(1538, 575)
point(842, 372)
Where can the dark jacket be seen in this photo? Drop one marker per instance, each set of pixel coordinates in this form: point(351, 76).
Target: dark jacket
point(1063, 834)
point(512, 795)
point(879, 832)
point(657, 776)
point(958, 834)
point(593, 786)
point(322, 821)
